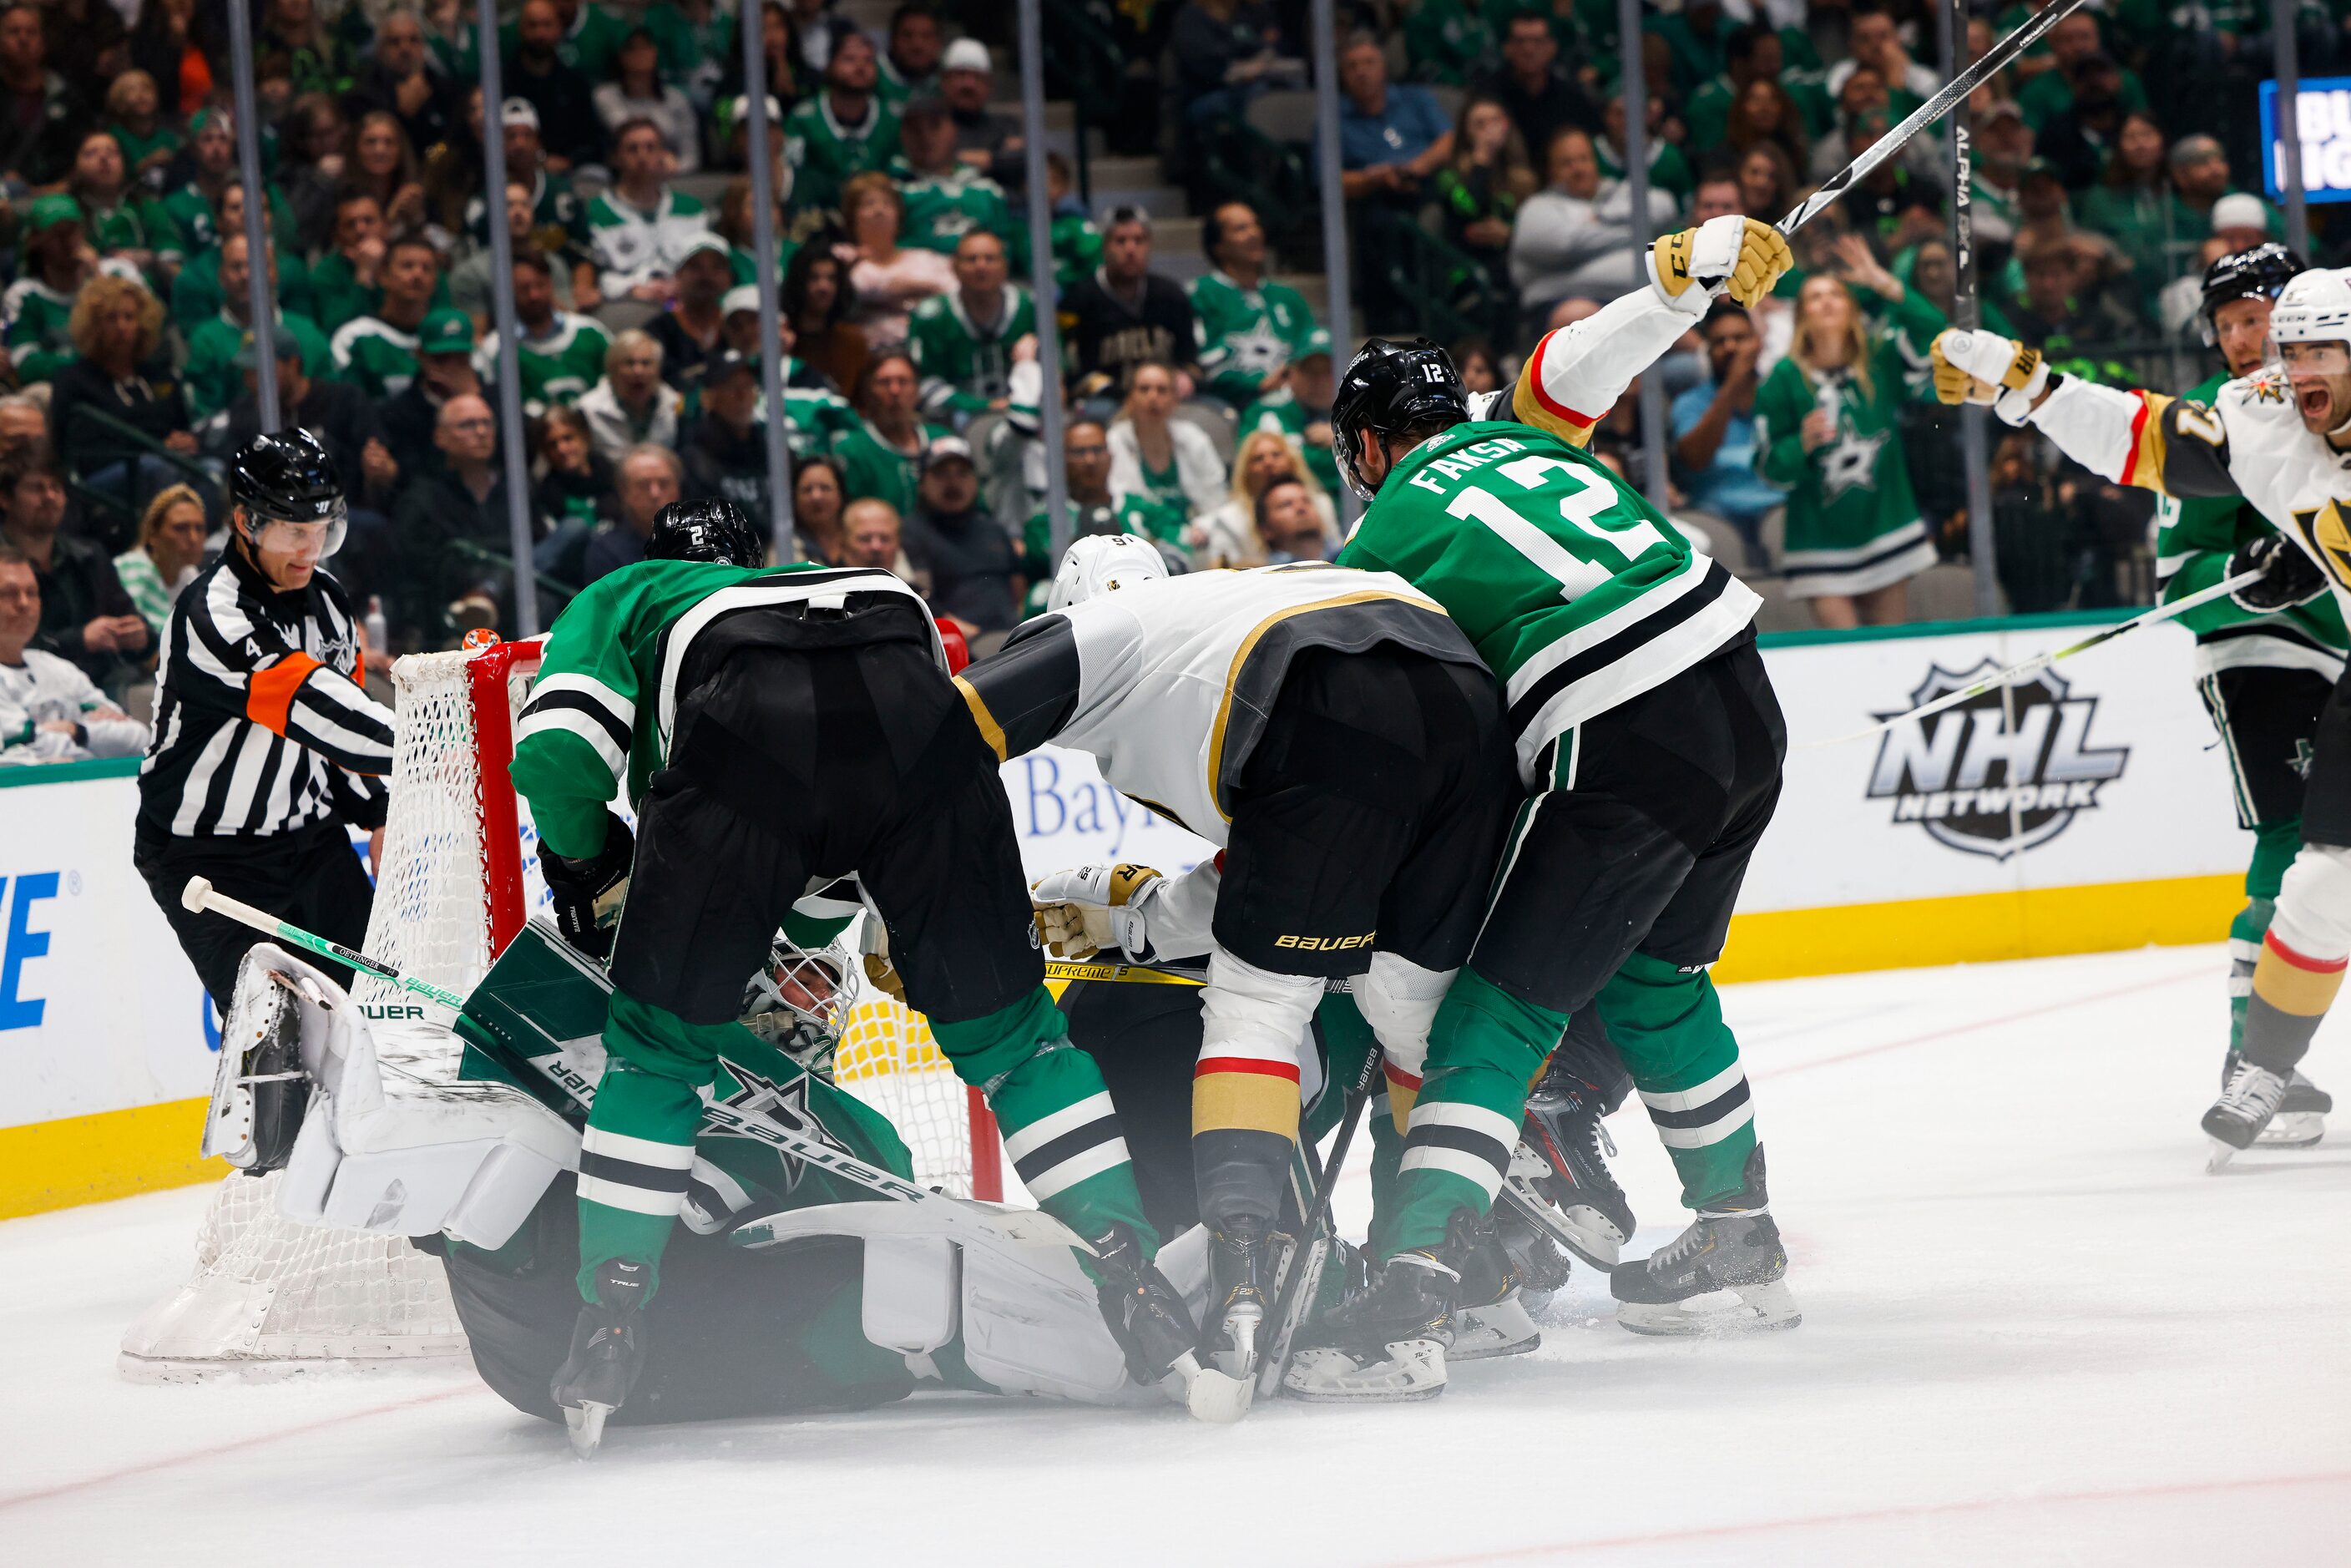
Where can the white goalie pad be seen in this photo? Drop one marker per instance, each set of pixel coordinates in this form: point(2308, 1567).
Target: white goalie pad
point(399, 1153)
point(1025, 1313)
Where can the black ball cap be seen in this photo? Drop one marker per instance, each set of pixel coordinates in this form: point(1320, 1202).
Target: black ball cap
point(712, 530)
point(287, 475)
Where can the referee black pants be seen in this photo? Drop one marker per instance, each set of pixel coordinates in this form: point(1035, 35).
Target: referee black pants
point(310, 877)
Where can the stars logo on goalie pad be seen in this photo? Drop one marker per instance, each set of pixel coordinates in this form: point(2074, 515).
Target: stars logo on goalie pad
point(740, 1089)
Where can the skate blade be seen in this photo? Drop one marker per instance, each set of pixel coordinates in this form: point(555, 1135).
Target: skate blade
point(2293, 1130)
point(1301, 1294)
point(1414, 1371)
point(2217, 1158)
point(1499, 1329)
point(1583, 1231)
point(1739, 1309)
point(584, 1424)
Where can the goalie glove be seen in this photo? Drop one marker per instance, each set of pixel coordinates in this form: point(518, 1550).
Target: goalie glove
point(1081, 911)
point(1985, 368)
point(2288, 577)
point(1740, 256)
point(588, 894)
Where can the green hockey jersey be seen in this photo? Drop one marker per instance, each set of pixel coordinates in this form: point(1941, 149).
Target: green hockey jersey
point(964, 368)
point(1120, 514)
point(1576, 592)
point(870, 465)
point(823, 152)
point(375, 355)
point(941, 209)
point(37, 319)
point(815, 417)
point(557, 368)
point(601, 713)
point(1245, 335)
point(137, 222)
point(214, 379)
point(632, 245)
point(2193, 542)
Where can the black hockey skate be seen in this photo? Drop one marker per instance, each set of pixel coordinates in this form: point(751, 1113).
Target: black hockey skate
point(1726, 1274)
point(2248, 1105)
point(2301, 1117)
point(1385, 1342)
point(1543, 1268)
point(1243, 1266)
point(1490, 1319)
point(608, 1350)
point(1559, 1178)
point(1151, 1324)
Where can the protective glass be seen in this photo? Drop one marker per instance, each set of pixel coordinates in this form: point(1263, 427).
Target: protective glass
point(2307, 360)
point(286, 536)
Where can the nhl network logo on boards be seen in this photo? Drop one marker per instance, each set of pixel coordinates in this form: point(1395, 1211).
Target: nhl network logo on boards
point(1960, 775)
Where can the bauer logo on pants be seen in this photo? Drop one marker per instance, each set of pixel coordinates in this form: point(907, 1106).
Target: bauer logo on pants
point(1979, 787)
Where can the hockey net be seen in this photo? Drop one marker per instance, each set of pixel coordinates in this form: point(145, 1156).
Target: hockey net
point(458, 876)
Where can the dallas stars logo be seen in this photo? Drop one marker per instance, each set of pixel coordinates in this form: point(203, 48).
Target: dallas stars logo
point(1849, 461)
point(786, 1104)
point(1260, 350)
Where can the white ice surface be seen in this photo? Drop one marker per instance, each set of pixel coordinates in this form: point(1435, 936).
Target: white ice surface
point(2035, 1332)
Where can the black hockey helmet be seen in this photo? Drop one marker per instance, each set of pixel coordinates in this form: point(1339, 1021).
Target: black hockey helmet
point(712, 530)
point(2261, 273)
point(1388, 388)
point(287, 476)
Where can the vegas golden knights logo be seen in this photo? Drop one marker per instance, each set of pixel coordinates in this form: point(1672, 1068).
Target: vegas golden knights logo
point(2325, 531)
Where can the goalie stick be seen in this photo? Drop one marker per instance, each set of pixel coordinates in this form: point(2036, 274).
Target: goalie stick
point(1955, 92)
point(1304, 1276)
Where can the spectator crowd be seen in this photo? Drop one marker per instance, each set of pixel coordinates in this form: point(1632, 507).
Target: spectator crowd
point(1482, 144)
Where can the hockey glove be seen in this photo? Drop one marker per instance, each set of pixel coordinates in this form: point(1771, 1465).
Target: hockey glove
point(2288, 577)
point(880, 972)
point(588, 894)
point(1081, 911)
point(1986, 368)
point(1740, 256)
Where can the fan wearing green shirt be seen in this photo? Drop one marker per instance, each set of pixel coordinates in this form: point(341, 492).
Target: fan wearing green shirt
point(883, 457)
point(844, 130)
point(557, 354)
point(1094, 509)
point(37, 313)
point(212, 378)
point(1247, 325)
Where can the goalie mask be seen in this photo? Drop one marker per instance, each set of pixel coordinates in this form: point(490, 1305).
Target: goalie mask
point(798, 1001)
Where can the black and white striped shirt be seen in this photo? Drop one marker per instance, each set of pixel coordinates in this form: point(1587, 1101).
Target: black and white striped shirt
point(262, 725)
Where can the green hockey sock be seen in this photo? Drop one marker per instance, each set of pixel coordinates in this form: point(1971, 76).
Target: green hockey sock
point(638, 1149)
point(2275, 846)
point(1387, 1156)
point(1667, 1026)
point(1484, 1049)
point(1060, 1128)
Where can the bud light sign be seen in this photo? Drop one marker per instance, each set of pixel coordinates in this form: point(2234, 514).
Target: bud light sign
point(2321, 107)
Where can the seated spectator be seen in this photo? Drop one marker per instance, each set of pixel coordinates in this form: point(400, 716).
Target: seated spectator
point(211, 375)
point(1480, 188)
point(882, 455)
point(558, 355)
point(1228, 537)
point(632, 405)
point(558, 218)
point(870, 539)
point(890, 279)
point(211, 164)
point(349, 424)
point(118, 371)
point(816, 302)
point(2199, 177)
point(2003, 146)
point(1764, 111)
point(398, 78)
point(735, 226)
point(1288, 529)
point(1875, 41)
point(562, 96)
point(1298, 410)
point(1537, 94)
point(163, 45)
point(1077, 241)
point(1752, 53)
point(818, 499)
point(2130, 204)
point(1668, 171)
point(56, 262)
point(1714, 431)
point(1247, 325)
point(377, 352)
point(469, 280)
point(449, 520)
point(1095, 507)
point(1449, 41)
point(1891, 204)
point(410, 419)
point(1392, 138)
point(636, 91)
point(1767, 181)
point(909, 67)
point(49, 710)
point(945, 197)
point(1474, 358)
point(123, 222)
point(2076, 139)
point(347, 282)
point(451, 37)
point(197, 295)
point(588, 37)
point(134, 119)
point(2076, 50)
point(972, 565)
point(1168, 462)
point(1126, 315)
point(576, 492)
point(693, 327)
point(87, 618)
point(965, 343)
point(41, 117)
point(316, 61)
point(639, 230)
point(2061, 310)
point(381, 164)
point(650, 477)
point(1225, 51)
point(725, 447)
point(841, 132)
point(699, 48)
point(311, 163)
point(171, 549)
point(987, 142)
point(1575, 235)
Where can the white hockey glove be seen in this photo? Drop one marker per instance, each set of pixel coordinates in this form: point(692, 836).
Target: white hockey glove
point(1739, 256)
point(1081, 911)
point(1985, 368)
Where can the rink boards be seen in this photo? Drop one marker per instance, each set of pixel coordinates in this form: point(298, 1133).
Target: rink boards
point(2090, 811)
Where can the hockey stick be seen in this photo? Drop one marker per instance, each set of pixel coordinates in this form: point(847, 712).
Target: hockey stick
point(2001, 679)
point(1305, 1272)
point(199, 898)
point(1955, 92)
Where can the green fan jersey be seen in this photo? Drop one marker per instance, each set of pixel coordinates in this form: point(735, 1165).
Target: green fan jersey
point(37, 318)
point(1280, 412)
point(1577, 592)
point(964, 368)
point(375, 355)
point(631, 245)
point(942, 209)
point(2194, 539)
point(870, 465)
point(137, 221)
point(191, 211)
point(1076, 247)
point(601, 713)
point(214, 379)
point(138, 146)
point(1122, 515)
point(824, 152)
point(697, 55)
point(1245, 335)
point(588, 46)
point(557, 368)
point(815, 417)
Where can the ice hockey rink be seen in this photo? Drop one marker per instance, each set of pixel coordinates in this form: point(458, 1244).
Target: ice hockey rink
point(2036, 1332)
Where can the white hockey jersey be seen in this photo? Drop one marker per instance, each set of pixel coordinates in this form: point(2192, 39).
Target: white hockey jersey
point(1169, 685)
point(46, 689)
